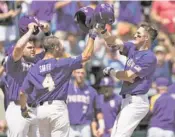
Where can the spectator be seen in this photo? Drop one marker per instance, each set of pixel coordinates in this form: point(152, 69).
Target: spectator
point(8, 30)
point(164, 14)
point(130, 15)
point(110, 104)
point(163, 66)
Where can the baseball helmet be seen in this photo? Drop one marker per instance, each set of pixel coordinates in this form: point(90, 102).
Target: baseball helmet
point(104, 14)
point(84, 18)
point(23, 24)
point(107, 82)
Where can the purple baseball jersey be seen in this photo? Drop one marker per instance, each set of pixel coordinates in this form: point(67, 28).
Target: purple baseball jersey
point(16, 72)
point(43, 10)
point(81, 103)
point(49, 79)
point(143, 63)
point(163, 115)
point(110, 109)
point(4, 86)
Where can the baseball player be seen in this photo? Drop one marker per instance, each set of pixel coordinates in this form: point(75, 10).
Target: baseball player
point(110, 104)
point(49, 81)
point(81, 100)
point(137, 77)
point(161, 87)
point(17, 65)
point(162, 123)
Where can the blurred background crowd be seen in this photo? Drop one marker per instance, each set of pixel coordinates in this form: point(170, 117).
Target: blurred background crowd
point(128, 14)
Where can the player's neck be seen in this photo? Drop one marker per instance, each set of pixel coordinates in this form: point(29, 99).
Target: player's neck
point(145, 46)
point(48, 56)
point(80, 85)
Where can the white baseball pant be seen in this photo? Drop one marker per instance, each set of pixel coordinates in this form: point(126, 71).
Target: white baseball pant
point(80, 130)
point(158, 132)
point(19, 126)
point(134, 109)
point(53, 119)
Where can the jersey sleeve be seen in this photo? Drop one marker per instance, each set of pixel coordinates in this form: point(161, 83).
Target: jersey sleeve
point(72, 62)
point(126, 48)
point(144, 66)
point(12, 65)
point(27, 86)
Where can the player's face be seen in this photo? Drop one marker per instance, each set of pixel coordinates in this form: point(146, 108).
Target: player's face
point(29, 50)
point(107, 91)
point(141, 36)
point(79, 75)
point(162, 89)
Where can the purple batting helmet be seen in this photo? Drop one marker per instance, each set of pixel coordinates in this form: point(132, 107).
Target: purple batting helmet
point(107, 82)
point(23, 24)
point(104, 14)
point(84, 18)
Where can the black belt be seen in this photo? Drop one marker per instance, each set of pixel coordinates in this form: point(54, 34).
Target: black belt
point(49, 102)
point(32, 105)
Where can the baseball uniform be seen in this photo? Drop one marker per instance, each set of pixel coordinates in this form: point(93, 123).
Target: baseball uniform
point(110, 109)
point(135, 104)
point(162, 122)
point(81, 102)
point(16, 72)
point(49, 81)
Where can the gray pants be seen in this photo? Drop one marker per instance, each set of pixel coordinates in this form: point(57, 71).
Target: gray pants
point(158, 132)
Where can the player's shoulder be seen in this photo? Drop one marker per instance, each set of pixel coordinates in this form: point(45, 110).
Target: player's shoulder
point(149, 56)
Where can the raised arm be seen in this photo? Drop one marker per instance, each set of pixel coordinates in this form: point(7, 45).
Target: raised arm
point(21, 43)
point(88, 51)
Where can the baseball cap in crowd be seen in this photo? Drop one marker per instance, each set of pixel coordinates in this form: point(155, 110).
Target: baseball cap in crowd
point(162, 82)
point(159, 48)
point(107, 81)
point(23, 24)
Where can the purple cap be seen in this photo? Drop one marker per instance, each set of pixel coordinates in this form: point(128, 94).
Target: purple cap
point(107, 81)
point(162, 82)
point(24, 21)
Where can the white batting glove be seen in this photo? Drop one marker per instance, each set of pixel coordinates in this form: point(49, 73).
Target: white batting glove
point(107, 71)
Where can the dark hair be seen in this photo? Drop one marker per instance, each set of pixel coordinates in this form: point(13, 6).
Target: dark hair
point(151, 30)
point(50, 42)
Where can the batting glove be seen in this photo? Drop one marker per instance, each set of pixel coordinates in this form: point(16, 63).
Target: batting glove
point(107, 71)
point(25, 112)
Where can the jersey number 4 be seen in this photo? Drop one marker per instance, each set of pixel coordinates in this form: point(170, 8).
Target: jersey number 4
point(48, 83)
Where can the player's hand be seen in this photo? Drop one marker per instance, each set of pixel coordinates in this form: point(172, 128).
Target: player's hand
point(93, 33)
point(100, 132)
point(45, 27)
point(107, 71)
point(33, 26)
point(25, 112)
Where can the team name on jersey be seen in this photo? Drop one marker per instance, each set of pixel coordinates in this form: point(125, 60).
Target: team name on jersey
point(78, 99)
point(26, 66)
point(130, 63)
point(45, 67)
